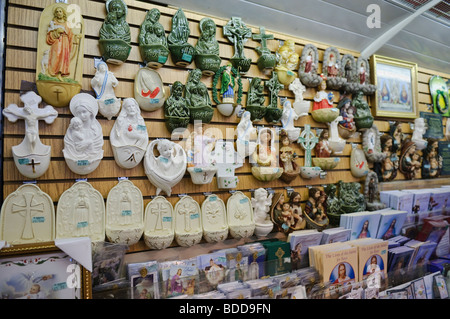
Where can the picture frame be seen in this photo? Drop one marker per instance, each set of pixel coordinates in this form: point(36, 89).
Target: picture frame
point(42, 271)
point(397, 90)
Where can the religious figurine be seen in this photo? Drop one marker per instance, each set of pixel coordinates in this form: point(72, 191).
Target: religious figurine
point(372, 145)
point(240, 216)
point(323, 152)
point(309, 63)
point(288, 159)
point(316, 209)
point(308, 142)
point(323, 110)
point(432, 160)
point(390, 163)
point(264, 159)
point(227, 160)
point(371, 192)
point(363, 74)
point(176, 110)
point(188, 222)
point(27, 216)
point(214, 219)
point(409, 164)
point(103, 84)
point(115, 38)
point(261, 202)
point(287, 62)
point(197, 98)
point(363, 117)
point(230, 87)
point(152, 40)
point(301, 107)
point(246, 136)
point(129, 137)
point(167, 168)
point(267, 60)
point(81, 213)
point(347, 111)
point(238, 33)
point(159, 224)
point(287, 120)
point(181, 51)
point(256, 100)
point(333, 70)
point(207, 56)
point(359, 166)
point(83, 142)
point(420, 128)
point(346, 198)
point(124, 214)
point(200, 165)
point(59, 65)
point(286, 213)
point(336, 143)
point(396, 131)
point(149, 89)
point(273, 113)
point(31, 157)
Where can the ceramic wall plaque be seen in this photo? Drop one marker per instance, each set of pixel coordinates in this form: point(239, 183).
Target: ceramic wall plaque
point(323, 152)
point(363, 117)
point(214, 219)
point(316, 209)
point(159, 229)
point(227, 160)
point(246, 136)
point(410, 164)
point(287, 62)
point(152, 40)
point(308, 68)
point(372, 145)
point(27, 216)
point(308, 141)
point(81, 213)
point(273, 112)
point(288, 159)
point(197, 98)
point(188, 222)
point(176, 110)
point(301, 107)
point(264, 159)
point(333, 69)
point(359, 165)
point(129, 137)
point(60, 51)
point(238, 33)
point(103, 84)
point(31, 157)
point(165, 164)
point(323, 110)
point(261, 203)
point(149, 89)
point(363, 77)
point(83, 141)
point(115, 38)
point(347, 111)
point(240, 215)
point(207, 56)
point(348, 65)
point(181, 51)
point(124, 214)
point(288, 118)
point(230, 90)
point(255, 100)
point(267, 61)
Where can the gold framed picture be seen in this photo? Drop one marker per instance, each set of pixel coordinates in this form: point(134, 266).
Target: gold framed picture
point(397, 91)
point(42, 271)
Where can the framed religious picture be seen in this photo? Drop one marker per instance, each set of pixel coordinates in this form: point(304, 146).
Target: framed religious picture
point(42, 271)
point(397, 92)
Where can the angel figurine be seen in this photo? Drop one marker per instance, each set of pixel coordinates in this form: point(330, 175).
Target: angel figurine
point(261, 203)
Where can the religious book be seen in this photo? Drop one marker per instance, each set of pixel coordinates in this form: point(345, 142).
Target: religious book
point(391, 223)
point(278, 257)
point(144, 280)
point(212, 268)
point(422, 252)
point(372, 258)
point(299, 242)
point(398, 259)
point(336, 234)
point(256, 254)
point(361, 224)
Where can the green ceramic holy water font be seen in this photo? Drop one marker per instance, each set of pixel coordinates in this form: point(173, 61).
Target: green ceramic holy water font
point(115, 36)
point(238, 33)
point(181, 51)
point(207, 56)
point(273, 113)
point(255, 100)
point(176, 110)
point(197, 98)
point(267, 60)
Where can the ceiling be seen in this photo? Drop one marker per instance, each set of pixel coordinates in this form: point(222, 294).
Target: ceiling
point(343, 23)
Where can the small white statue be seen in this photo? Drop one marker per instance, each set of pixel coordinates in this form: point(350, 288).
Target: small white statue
point(336, 143)
point(31, 157)
point(83, 141)
point(262, 202)
point(129, 137)
point(420, 128)
point(301, 107)
point(246, 136)
point(103, 84)
point(287, 120)
point(167, 169)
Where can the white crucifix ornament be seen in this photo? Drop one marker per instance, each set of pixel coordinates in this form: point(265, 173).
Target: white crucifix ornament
point(31, 157)
point(159, 230)
point(27, 216)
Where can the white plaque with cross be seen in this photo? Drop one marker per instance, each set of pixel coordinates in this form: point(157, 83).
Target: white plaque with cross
point(188, 222)
point(27, 216)
point(31, 157)
point(159, 230)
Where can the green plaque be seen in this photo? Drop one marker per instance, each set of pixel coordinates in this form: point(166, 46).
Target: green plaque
point(435, 128)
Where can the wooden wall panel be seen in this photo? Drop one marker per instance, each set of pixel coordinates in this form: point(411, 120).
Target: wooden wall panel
point(20, 62)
